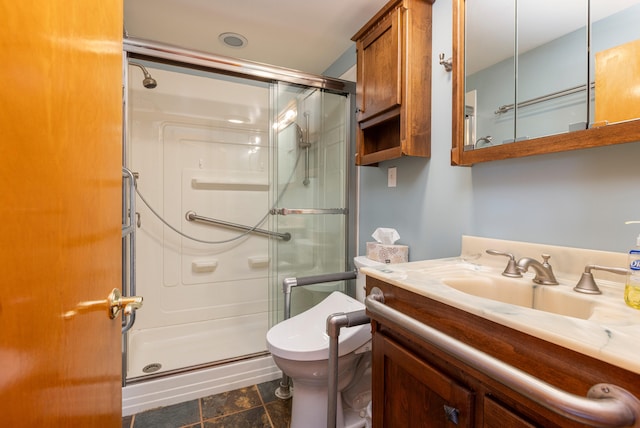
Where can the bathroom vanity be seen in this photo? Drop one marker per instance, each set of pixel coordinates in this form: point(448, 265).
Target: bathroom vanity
point(572, 347)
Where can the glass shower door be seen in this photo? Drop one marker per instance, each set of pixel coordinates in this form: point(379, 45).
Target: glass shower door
point(310, 191)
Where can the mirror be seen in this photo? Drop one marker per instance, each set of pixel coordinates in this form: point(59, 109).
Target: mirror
point(520, 76)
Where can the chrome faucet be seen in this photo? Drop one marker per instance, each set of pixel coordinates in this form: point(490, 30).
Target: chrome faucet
point(544, 273)
point(487, 141)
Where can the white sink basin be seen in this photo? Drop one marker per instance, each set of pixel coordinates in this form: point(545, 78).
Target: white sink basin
point(523, 292)
point(487, 283)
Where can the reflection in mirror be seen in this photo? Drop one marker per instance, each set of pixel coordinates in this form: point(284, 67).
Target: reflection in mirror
point(551, 69)
point(521, 74)
point(615, 64)
point(490, 70)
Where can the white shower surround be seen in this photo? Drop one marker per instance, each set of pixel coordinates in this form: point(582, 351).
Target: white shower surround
point(203, 302)
point(199, 302)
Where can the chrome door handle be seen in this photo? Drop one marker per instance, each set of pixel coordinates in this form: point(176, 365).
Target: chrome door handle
point(113, 304)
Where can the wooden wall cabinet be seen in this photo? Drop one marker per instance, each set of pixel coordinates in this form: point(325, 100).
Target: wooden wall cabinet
point(415, 384)
point(393, 90)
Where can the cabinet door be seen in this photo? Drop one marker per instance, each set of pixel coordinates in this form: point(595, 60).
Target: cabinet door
point(408, 392)
point(379, 67)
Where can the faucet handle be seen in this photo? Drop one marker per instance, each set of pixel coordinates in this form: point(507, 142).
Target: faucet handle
point(511, 270)
point(545, 262)
point(587, 283)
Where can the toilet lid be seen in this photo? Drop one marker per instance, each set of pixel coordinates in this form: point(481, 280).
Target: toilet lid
point(304, 337)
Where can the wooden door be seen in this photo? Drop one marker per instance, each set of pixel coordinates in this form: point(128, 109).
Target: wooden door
point(60, 185)
point(617, 70)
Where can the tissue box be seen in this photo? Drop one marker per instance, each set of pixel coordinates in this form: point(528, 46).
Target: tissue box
point(387, 253)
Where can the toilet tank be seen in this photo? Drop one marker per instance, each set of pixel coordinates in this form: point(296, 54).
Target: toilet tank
point(362, 261)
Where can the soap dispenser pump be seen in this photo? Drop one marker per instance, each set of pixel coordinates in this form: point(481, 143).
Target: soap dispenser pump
point(632, 286)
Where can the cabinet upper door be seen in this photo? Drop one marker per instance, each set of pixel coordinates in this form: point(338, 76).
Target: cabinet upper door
point(379, 67)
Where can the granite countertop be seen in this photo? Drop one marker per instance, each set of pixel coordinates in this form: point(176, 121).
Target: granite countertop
point(611, 332)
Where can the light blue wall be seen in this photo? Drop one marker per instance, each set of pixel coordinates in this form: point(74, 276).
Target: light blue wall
point(579, 198)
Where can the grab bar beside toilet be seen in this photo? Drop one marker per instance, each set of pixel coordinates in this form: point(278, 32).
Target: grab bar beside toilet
point(283, 391)
point(334, 323)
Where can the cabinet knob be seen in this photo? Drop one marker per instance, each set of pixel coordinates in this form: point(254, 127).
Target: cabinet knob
point(451, 413)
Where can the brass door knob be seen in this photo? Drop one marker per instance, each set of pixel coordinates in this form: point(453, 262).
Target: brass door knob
point(113, 304)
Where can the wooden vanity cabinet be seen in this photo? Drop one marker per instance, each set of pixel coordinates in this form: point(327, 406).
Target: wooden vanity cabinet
point(393, 89)
point(414, 393)
point(416, 384)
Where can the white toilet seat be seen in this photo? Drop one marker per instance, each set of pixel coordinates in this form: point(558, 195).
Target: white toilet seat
point(304, 336)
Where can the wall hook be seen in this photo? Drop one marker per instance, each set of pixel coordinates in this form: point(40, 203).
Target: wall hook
point(446, 63)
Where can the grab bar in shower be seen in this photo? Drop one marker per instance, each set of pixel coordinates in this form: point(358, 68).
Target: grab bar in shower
point(606, 405)
point(128, 203)
point(128, 243)
point(289, 211)
point(306, 144)
point(192, 216)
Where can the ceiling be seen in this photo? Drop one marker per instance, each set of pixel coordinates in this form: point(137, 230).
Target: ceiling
point(305, 35)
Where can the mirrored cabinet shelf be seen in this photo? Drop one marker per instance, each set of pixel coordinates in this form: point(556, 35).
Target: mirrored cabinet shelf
point(568, 87)
point(393, 93)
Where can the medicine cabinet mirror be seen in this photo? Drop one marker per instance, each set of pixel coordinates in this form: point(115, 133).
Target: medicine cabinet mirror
point(543, 76)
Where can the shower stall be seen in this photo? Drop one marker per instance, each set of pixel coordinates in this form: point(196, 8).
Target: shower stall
point(242, 178)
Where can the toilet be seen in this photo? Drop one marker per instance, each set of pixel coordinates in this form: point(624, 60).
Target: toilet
point(300, 348)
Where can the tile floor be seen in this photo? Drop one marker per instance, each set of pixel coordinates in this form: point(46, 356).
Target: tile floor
point(252, 407)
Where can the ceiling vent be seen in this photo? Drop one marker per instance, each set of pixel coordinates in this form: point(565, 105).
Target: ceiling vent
point(233, 40)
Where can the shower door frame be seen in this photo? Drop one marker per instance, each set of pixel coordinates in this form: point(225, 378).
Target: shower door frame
point(134, 48)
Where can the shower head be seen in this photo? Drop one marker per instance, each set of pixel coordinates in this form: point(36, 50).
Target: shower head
point(148, 82)
point(302, 143)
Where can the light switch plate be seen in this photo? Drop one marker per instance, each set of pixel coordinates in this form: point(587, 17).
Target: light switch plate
point(392, 176)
